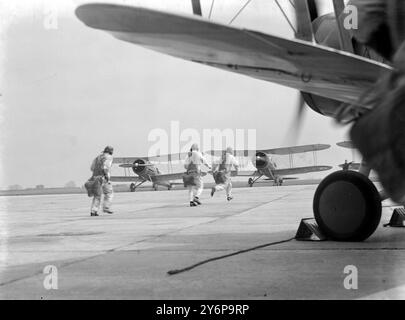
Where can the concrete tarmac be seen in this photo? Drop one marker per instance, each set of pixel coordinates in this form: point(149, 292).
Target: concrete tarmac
point(127, 255)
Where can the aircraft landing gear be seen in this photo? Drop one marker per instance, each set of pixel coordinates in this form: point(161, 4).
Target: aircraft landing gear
point(132, 187)
point(278, 181)
point(347, 206)
point(169, 187)
point(155, 187)
point(253, 179)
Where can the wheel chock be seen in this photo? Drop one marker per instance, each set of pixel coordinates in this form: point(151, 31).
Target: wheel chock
point(309, 230)
point(397, 219)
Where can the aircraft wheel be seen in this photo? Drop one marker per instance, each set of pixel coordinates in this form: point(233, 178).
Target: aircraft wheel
point(347, 206)
point(132, 187)
point(169, 187)
point(250, 182)
point(155, 187)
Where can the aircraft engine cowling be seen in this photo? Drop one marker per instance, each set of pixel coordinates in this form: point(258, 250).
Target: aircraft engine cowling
point(327, 33)
point(261, 161)
point(142, 167)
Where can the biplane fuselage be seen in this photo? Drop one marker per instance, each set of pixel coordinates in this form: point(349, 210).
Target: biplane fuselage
point(266, 166)
point(145, 170)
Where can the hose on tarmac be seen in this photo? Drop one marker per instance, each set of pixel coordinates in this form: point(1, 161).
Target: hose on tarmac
point(173, 272)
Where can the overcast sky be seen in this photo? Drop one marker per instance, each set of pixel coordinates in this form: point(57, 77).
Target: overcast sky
point(68, 92)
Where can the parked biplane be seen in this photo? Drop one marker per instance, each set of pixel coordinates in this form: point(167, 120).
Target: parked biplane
point(147, 171)
point(352, 165)
point(267, 167)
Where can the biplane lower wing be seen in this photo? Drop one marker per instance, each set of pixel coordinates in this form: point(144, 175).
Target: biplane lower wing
point(246, 173)
point(288, 171)
point(162, 158)
point(351, 166)
point(284, 178)
point(125, 179)
point(295, 63)
point(165, 177)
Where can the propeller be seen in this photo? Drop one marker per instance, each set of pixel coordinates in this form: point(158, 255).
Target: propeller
point(296, 124)
point(306, 11)
point(196, 4)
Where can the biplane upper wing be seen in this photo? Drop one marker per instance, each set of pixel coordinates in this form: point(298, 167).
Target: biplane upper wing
point(162, 158)
point(346, 144)
point(276, 151)
point(294, 63)
point(169, 157)
point(125, 179)
point(243, 173)
point(127, 160)
point(297, 149)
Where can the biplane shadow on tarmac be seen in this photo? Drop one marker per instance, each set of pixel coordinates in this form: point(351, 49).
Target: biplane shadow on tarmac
point(267, 167)
point(147, 171)
point(327, 66)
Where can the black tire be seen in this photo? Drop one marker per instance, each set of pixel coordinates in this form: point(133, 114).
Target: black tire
point(347, 206)
point(132, 187)
point(250, 182)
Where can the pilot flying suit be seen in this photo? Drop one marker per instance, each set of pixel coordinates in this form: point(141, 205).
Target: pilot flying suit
point(101, 168)
point(225, 165)
point(193, 163)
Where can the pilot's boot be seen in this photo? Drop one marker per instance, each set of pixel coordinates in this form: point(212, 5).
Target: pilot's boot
point(106, 210)
point(197, 200)
point(93, 214)
point(193, 204)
